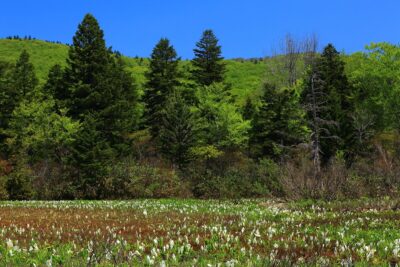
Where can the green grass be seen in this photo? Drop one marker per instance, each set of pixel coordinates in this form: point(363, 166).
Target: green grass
point(168, 232)
point(43, 54)
point(245, 77)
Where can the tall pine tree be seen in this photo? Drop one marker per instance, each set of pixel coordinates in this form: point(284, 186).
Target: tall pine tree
point(337, 106)
point(208, 63)
point(97, 84)
point(17, 83)
point(54, 86)
point(277, 125)
point(24, 78)
point(162, 78)
point(87, 69)
point(8, 101)
point(101, 95)
point(177, 132)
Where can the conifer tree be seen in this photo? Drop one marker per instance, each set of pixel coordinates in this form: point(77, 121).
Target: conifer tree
point(177, 133)
point(17, 83)
point(277, 125)
point(24, 78)
point(54, 86)
point(87, 69)
point(8, 100)
point(208, 63)
point(120, 117)
point(97, 83)
point(102, 96)
point(162, 78)
point(336, 107)
point(92, 156)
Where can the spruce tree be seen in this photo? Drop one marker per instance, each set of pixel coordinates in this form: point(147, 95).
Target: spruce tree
point(54, 86)
point(102, 96)
point(177, 132)
point(91, 157)
point(8, 101)
point(97, 83)
point(208, 63)
point(17, 83)
point(277, 125)
point(120, 117)
point(88, 65)
point(24, 78)
point(162, 78)
point(336, 105)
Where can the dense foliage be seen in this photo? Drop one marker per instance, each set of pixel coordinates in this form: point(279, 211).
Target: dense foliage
point(100, 125)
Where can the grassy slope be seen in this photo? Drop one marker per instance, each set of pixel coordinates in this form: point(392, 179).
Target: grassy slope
point(246, 77)
point(43, 55)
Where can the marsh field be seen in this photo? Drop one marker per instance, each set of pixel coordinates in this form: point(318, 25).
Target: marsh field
point(200, 233)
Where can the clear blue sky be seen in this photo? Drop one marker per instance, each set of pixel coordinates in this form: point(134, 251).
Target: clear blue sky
point(246, 28)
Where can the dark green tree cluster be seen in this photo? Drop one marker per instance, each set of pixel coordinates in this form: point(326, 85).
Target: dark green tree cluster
point(182, 120)
point(91, 105)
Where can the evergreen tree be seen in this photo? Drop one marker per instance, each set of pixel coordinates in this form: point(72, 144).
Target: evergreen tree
point(87, 69)
point(162, 78)
point(54, 86)
point(97, 83)
point(337, 106)
point(92, 155)
point(121, 116)
point(24, 78)
point(208, 63)
point(17, 83)
point(102, 96)
point(177, 133)
point(277, 125)
point(8, 100)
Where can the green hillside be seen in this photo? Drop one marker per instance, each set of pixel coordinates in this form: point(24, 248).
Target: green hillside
point(244, 76)
point(43, 54)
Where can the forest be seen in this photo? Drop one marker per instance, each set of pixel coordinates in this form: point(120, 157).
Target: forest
point(305, 123)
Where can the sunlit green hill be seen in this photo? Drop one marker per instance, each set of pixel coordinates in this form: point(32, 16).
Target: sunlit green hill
point(245, 76)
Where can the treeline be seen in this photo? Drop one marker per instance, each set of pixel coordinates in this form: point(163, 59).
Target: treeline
point(326, 125)
point(29, 38)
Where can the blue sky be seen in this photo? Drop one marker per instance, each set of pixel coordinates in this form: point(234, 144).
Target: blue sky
point(246, 28)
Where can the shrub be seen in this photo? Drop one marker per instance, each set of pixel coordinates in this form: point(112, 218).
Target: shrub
point(3, 188)
point(53, 181)
point(19, 184)
point(129, 179)
point(234, 176)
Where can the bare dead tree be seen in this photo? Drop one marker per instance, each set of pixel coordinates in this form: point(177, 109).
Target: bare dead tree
point(309, 50)
point(292, 52)
point(292, 59)
point(363, 123)
point(314, 103)
point(315, 137)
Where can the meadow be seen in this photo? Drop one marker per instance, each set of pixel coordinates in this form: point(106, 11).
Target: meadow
point(200, 233)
